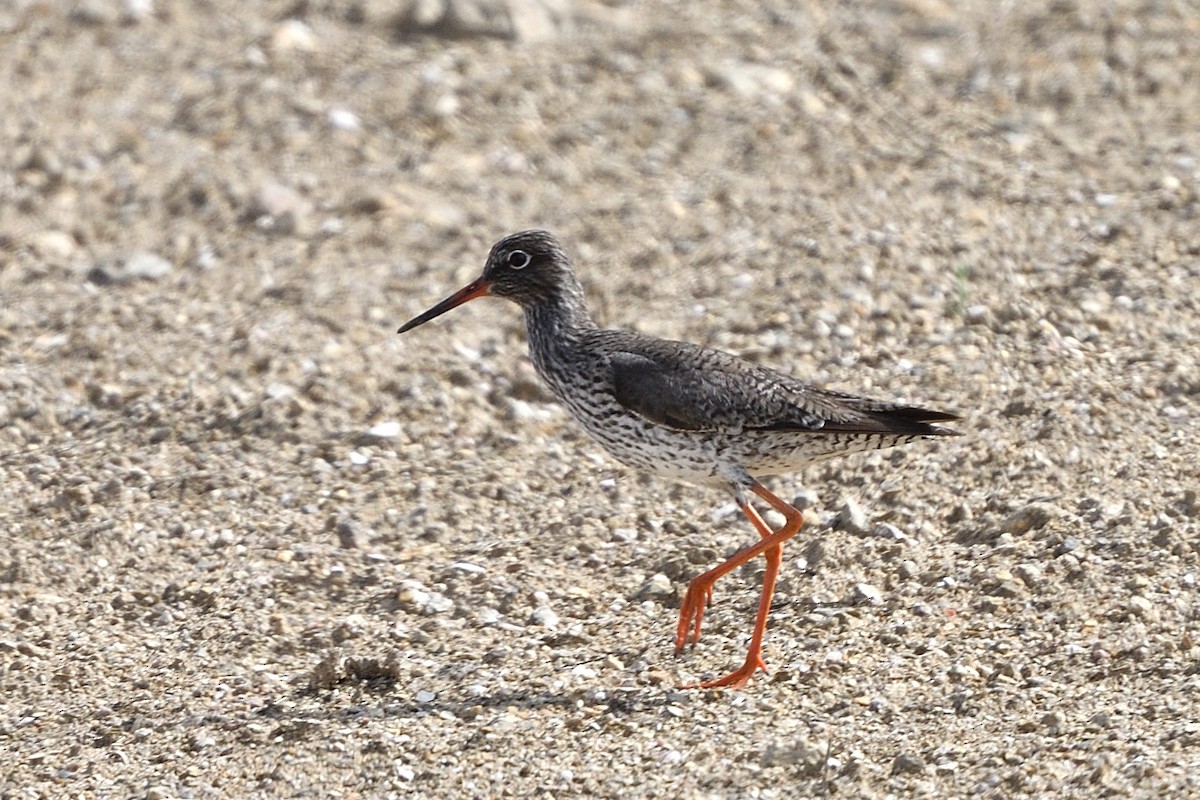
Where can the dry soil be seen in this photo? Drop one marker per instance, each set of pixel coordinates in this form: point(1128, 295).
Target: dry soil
point(254, 544)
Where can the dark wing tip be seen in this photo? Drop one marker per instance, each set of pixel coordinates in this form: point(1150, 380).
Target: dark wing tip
point(869, 416)
point(917, 414)
point(915, 420)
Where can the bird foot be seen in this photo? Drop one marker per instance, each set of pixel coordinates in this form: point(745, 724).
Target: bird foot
point(691, 614)
point(736, 679)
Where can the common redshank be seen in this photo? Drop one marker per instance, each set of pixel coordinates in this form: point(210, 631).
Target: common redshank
point(685, 411)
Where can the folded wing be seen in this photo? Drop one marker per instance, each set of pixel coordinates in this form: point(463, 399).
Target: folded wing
point(687, 387)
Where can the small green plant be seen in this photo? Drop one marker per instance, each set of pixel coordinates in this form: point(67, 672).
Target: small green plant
point(957, 305)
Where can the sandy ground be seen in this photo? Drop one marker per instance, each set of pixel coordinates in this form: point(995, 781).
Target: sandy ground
point(255, 544)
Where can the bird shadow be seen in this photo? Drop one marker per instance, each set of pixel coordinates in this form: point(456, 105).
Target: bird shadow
point(388, 699)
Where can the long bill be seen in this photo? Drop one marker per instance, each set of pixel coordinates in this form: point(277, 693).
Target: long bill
point(479, 287)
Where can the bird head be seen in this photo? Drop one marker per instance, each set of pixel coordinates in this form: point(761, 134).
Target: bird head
point(527, 267)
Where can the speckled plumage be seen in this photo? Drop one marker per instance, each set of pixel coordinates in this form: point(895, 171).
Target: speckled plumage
point(689, 412)
point(685, 411)
point(681, 410)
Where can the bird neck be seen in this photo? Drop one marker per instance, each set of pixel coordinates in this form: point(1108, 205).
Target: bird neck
point(554, 325)
point(558, 315)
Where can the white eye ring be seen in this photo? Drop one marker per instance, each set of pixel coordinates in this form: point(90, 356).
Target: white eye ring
point(518, 259)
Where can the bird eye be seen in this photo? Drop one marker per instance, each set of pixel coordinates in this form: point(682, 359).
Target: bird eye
point(518, 259)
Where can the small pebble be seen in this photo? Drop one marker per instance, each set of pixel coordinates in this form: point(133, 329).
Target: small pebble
point(343, 119)
point(806, 757)
point(1068, 545)
point(623, 534)
point(293, 34)
point(851, 518)
point(886, 530)
point(347, 533)
point(53, 244)
point(136, 11)
point(963, 672)
point(282, 209)
point(976, 314)
point(1031, 517)
point(1030, 575)
point(753, 81)
point(657, 586)
point(521, 411)
point(907, 764)
point(805, 498)
point(202, 743)
point(412, 596)
point(384, 430)
point(545, 617)
point(866, 593)
point(1139, 606)
point(138, 266)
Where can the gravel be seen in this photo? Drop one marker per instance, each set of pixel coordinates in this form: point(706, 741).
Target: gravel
point(255, 544)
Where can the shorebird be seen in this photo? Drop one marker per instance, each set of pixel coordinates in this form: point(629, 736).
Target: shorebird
point(684, 411)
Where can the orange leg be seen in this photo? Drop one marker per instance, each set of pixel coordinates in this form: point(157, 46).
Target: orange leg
point(700, 589)
point(699, 593)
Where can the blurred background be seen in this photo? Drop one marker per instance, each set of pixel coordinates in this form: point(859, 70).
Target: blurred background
point(253, 542)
